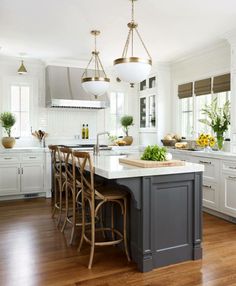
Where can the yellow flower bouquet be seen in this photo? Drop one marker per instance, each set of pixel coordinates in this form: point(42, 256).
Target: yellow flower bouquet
point(206, 140)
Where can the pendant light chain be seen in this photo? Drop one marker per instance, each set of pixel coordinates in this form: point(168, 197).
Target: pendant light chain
point(130, 67)
point(130, 38)
point(143, 43)
point(98, 67)
point(132, 34)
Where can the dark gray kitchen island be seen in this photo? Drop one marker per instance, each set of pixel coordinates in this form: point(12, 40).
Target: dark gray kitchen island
point(165, 217)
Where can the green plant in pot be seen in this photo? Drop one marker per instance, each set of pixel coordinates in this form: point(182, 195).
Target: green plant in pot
point(218, 118)
point(127, 121)
point(7, 120)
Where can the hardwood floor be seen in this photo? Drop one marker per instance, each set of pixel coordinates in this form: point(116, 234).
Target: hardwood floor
point(33, 252)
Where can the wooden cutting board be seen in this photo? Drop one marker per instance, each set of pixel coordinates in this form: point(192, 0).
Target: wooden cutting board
point(151, 164)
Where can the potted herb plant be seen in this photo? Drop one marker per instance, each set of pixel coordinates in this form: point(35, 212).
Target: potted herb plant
point(7, 119)
point(127, 121)
point(218, 119)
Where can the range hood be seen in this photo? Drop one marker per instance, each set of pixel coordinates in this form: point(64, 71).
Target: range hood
point(64, 90)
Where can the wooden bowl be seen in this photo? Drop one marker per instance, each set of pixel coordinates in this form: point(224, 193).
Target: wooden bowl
point(168, 142)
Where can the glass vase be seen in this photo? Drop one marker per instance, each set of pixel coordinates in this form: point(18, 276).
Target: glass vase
point(207, 149)
point(220, 140)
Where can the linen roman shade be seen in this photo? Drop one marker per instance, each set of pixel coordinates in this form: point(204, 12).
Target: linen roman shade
point(221, 83)
point(202, 87)
point(185, 90)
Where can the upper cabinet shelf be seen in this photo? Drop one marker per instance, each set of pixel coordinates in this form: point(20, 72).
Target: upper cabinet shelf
point(147, 104)
point(147, 84)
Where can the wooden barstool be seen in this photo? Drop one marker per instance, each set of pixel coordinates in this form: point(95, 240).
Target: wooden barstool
point(96, 199)
point(58, 180)
point(73, 190)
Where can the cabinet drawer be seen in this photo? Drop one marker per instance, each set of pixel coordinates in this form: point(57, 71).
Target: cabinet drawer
point(228, 166)
point(211, 168)
point(210, 194)
point(9, 158)
point(32, 157)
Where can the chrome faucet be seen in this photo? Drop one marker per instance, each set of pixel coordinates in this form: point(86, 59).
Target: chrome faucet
point(96, 149)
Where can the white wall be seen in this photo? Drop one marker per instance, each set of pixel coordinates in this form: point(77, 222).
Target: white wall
point(205, 63)
point(61, 124)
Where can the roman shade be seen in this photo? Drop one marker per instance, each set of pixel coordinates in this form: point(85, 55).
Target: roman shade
point(202, 87)
point(221, 83)
point(185, 90)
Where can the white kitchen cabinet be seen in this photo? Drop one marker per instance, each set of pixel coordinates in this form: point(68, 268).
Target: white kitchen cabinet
point(228, 194)
point(210, 195)
point(9, 179)
point(21, 173)
point(228, 188)
point(211, 165)
point(148, 104)
point(31, 177)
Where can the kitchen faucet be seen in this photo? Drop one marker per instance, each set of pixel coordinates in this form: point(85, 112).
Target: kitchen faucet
point(96, 149)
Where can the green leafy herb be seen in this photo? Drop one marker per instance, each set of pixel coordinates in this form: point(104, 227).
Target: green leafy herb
point(7, 119)
point(154, 153)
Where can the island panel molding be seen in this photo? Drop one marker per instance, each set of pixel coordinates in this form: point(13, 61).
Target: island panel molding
point(165, 219)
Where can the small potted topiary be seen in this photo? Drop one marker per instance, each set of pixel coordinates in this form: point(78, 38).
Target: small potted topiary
point(7, 119)
point(127, 121)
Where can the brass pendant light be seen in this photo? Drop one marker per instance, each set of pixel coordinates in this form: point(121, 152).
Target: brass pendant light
point(96, 83)
point(22, 70)
point(131, 68)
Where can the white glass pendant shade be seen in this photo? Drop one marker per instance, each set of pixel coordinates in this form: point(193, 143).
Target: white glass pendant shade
point(97, 83)
point(132, 69)
point(95, 86)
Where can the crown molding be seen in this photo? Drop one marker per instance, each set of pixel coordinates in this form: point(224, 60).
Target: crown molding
point(10, 60)
point(220, 44)
point(73, 63)
point(231, 37)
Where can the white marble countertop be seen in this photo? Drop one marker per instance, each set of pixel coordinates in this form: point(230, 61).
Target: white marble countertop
point(108, 166)
point(210, 154)
point(22, 150)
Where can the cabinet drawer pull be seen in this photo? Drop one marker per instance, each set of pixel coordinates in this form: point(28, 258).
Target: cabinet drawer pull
point(232, 178)
point(207, 186)
point(205, 162)
point(8, 158)
point(18, 171)
point(32, 157)
point(231, 167)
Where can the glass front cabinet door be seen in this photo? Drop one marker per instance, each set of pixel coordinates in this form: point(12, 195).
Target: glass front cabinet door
point(147, 103)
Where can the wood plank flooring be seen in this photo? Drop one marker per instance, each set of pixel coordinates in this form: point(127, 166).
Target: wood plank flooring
point(33, 252)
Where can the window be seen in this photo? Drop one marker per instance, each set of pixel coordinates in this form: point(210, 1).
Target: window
point(194, 97)
point(201, 101)
point(117, 104)
point(20, 106)
point(187, 117)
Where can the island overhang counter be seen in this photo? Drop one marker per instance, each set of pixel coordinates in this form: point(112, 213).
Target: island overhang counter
point(165, 215)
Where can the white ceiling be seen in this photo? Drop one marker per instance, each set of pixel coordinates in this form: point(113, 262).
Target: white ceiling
point(59, 29)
